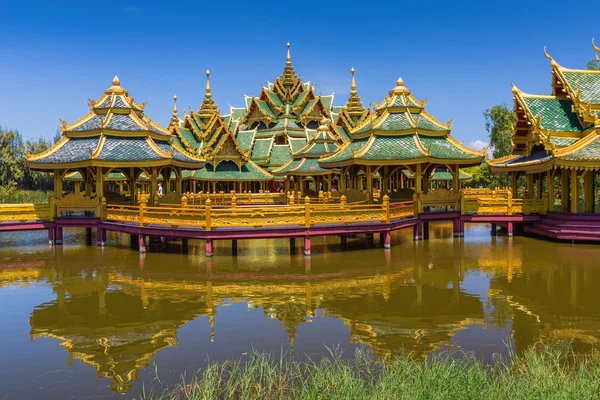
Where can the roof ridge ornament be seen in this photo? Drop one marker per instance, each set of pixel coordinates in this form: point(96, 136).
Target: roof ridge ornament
point(208, 104)
point(354, 105)
point(549, 57)
point(175, 117)
point(400, 89)
point(596, 49)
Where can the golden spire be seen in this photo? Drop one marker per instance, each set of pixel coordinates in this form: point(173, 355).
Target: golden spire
point(175, 117)
point(116, 81)
point(354, 105)
point(208, 105)
point(288, 78)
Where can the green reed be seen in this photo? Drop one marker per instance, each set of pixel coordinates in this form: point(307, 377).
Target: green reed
point(12, 195)
point(546, 373)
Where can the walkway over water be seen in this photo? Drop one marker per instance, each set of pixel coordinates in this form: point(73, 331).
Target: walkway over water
point(303, 218)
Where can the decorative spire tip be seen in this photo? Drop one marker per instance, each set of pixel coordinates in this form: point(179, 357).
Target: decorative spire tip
point(116, 81)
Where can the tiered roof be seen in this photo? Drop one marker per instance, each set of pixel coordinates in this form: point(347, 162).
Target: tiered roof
point(305, 160)
point(558, 130)
point(208, 135)
point(401, 132)
point(274, 125)
point(115, 132)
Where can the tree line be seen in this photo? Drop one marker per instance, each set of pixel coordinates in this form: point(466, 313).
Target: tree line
point(13, 170)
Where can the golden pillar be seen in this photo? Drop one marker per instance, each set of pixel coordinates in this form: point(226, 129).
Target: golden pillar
point(99, 182)
point(550, 184)
point(418, 179)
point(530, 186)
point(564, 190)
point(588, 184)
point(574, 192)
point(369, 184)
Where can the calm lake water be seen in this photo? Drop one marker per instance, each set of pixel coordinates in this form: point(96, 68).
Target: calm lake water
point(88, 322)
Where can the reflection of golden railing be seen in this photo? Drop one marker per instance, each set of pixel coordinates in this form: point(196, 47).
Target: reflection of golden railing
point(25, 212)
point(305, 214)
point(503, 203)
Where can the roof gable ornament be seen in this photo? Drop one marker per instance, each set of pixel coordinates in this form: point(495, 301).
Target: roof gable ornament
point(174, 122)
point(596, 49)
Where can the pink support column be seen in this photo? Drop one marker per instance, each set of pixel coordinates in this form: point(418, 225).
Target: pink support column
point(142, 242)
point(51, 234)
point(418, 230)
point(209, 248)
point(58, 239)
point(387, 242)
point(307, 245)
point(461, 229)
point(100, 236)
point(510, 229)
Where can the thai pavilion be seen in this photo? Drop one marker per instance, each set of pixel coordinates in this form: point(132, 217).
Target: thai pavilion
point(114, 136)
point(208, 135)
point(399, 135)
point(280, 120)
point(555, 139)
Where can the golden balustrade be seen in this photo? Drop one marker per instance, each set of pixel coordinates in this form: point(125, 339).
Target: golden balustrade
point(306, 214)
point(502, 202)
point(439, 198)
point(26, 212)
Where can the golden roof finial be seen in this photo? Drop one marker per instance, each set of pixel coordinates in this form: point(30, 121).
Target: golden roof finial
point(208, 93)
point(399, 89)
point(175, 117)
point(288, 60)
point(353, 84)
point(354, 105)
point(322, 124)
point(116, 81)
point(175, 104)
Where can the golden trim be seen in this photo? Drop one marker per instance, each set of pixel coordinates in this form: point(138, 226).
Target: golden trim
point(61, 142)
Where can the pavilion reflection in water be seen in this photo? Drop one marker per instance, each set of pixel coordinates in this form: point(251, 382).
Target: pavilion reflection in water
point(117, 319)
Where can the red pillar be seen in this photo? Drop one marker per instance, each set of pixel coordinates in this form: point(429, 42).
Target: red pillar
point(51, 234)
point(418, 230)
point(510, 229)
point(307, 245)
point(100, 236)
point(58, 238)
point(142, 242)
point(209, 248)
point(456, 227)
point(387, 240)
point(461, 229)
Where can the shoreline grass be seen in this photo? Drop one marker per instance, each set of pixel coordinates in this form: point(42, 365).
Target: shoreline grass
point(12, 195)
point(541, 373)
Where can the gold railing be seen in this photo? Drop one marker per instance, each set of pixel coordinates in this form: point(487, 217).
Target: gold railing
point(485, 192)
point(503, 204)
point(26, 212)
point(306, 214)
point(440, 198)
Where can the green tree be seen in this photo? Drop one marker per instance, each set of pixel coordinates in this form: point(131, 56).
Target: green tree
point(12, 163)
point(35, 180)
point(498, 124)
point(57, 136)
point(593, 65)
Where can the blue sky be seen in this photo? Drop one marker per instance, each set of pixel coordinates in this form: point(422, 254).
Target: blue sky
point(460, 56)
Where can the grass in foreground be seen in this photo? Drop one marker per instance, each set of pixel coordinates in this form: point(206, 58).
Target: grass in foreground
point(537, 374)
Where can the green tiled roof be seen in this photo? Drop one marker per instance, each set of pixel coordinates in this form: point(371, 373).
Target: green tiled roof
point(327, 101)
point(311, 165)
point(308, 106)
point(261, 149)
point(425, 124)
point(288, 167)
point(265, 107)
point(129, 149)
point(280, 155)
point(346, 152)
point(393, 148)
point(229, 171)
point(189, 137)
point(364, 128)
point(300, 98)
point(341, 132)
point(296, 143)
point(396, 122)
point(556, 115)
point(238, 113)
point(587, 82)
point(244, 139)
point(590, 151)
point(440, 147)
point(176, 140)
point(75, 149)
point(226, 119)
point(274, 98)
point(562, 142)
point(337, 109)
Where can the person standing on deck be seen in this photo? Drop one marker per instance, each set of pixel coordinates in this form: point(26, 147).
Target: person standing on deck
point(160, 190)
